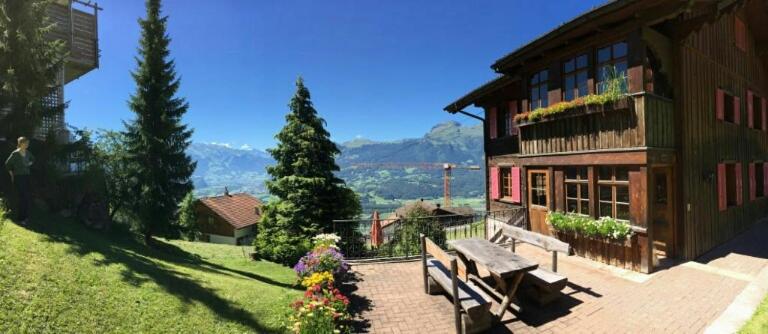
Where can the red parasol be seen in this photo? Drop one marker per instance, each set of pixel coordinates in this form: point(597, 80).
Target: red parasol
point(376, 235)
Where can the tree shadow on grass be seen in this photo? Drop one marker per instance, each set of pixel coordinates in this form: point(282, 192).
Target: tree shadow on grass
point(141, 267)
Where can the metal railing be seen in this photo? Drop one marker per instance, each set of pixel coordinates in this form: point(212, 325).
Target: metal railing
point(399, 237)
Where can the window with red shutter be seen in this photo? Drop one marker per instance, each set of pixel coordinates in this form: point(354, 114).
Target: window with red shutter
point(736, 110)
point(494, 183)
point(516, 190)
point(764, 110)
point(765, 179)
point(722, 192)
point(720, 104)
point(513, 130)
point(492, 122)
point(740, 31)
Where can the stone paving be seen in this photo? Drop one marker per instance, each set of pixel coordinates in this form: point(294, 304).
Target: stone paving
point(598, 299)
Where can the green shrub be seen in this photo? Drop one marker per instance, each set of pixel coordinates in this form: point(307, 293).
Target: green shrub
point(605, 227)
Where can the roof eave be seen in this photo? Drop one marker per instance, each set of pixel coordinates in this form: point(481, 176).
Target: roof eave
point(504, 62)
point(479, 92)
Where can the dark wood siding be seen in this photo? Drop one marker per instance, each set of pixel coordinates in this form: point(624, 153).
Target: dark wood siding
point(644, 120)
point(706, 60)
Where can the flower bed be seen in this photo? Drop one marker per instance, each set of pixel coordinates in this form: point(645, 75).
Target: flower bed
point(605, 240)
point(323, 308)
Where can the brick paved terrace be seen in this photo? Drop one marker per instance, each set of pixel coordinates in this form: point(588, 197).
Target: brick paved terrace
point(685, 298)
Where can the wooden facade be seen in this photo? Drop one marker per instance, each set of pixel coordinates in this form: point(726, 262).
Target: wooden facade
point(656, 157)
point(77, 25)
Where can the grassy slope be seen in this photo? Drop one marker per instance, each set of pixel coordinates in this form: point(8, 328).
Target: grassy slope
point(759, 322)
point(59, 277)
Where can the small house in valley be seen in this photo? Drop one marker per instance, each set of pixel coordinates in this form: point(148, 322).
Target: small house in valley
point(680, 153)
point(228, 219)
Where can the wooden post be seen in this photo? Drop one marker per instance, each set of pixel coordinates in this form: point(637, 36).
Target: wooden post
point(513, 244)
point(455, 290)
point(554, 261)
point(424, 261)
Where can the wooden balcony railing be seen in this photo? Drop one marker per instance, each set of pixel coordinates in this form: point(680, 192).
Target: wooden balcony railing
point(79, 30)
point(641, 120)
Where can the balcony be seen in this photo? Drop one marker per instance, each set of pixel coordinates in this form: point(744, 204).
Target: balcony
point(77, 25)
point(637, 121)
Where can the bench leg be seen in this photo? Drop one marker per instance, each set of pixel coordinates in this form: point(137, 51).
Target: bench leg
point(476, 325)
point(433, 288)
point(509, 292)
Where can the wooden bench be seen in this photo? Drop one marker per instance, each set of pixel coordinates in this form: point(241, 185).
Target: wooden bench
point(541, 285)
point(441, 274)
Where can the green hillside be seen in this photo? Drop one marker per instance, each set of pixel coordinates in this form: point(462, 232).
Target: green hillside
point(59, 277)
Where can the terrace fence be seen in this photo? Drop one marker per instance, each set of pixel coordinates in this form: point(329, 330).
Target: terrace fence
point(399, 237)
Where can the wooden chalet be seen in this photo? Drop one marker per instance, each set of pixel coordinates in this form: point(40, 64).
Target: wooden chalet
point(76, 24)
point(228, 219)
point(683, 158)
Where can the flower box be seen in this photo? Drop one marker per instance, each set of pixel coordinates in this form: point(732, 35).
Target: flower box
point(623, 103)
point(623, 254)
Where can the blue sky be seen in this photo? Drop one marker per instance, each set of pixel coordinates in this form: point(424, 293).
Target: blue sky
point(382, 70)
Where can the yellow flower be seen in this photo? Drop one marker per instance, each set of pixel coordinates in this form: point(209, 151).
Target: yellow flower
point(317, 278)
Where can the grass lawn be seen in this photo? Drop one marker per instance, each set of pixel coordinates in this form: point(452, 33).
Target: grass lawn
point(57, 276)
point(759, 322)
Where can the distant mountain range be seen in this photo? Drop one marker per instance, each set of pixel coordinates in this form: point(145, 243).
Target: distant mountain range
point(378, 171)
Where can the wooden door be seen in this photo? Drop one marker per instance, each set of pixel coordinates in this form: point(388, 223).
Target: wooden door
point(663, 206)
point(538, 200)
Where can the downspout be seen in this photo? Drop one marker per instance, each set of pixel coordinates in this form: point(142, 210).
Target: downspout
point(485, 157)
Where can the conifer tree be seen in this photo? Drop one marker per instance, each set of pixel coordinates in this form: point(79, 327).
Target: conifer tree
point(156, 139)
point(308, 196)
point(29, 64)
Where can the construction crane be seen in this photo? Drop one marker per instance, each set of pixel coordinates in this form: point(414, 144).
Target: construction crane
point(446, 167)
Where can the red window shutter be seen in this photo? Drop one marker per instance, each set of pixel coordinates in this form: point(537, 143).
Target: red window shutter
point(765, 114)
point(750, 110)
point(495, 183)
point(513, 130)
point(720, 104)
point(765, 179)
point(739, 185)
point(752, 184)
point(741, 34)
point(516, 185)
point(737, 110)
point(722, 201)
point(491, 119)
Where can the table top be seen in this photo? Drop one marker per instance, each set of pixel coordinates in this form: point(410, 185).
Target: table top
point(493, 257)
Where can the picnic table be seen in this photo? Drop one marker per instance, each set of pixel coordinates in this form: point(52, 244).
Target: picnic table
point(507, 269)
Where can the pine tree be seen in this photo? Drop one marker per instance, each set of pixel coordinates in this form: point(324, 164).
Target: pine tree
point(156, 140)
point(29, 64)
point(307, 194)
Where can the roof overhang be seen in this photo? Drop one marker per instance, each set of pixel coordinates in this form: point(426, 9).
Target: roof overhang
point(614, 14)
point(480, 92)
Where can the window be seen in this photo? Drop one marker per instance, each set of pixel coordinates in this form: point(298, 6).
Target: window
point(539, 91)
point(539, 189)
point(613, 192)
point(729, 185)
point(755, 111)
point(502, 128)
point(506, 182)
point(577, 190)
point(210, 220)
point(756, 180)
point(728, 107)
point(611, 63)
point(575, 78)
